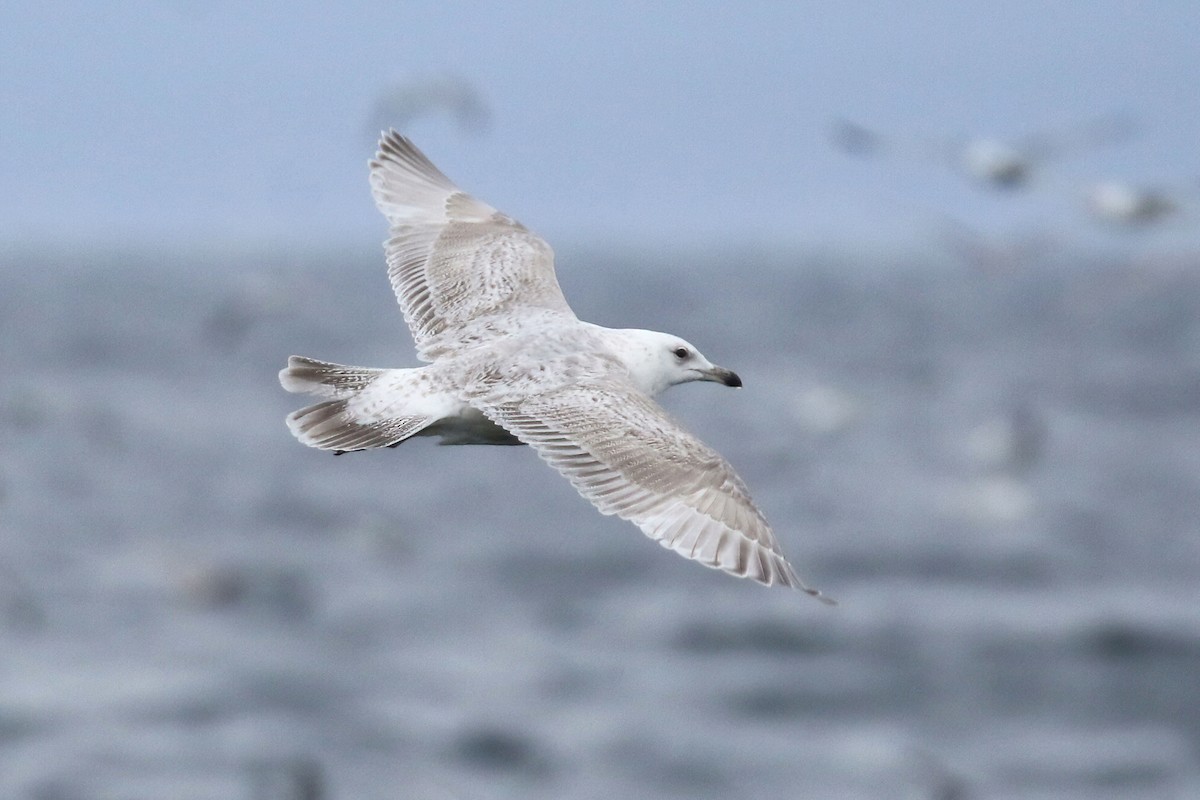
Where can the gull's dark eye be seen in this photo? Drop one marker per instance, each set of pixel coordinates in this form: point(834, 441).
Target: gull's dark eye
point(681, 353)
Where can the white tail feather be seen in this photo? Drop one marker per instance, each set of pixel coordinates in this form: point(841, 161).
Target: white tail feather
point(324, 378)
point(338, 423)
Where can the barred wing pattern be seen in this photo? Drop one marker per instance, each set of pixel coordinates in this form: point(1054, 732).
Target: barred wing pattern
point(627, 456)
point(453, 260)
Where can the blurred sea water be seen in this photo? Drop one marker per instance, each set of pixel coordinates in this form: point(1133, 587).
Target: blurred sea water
point(997, 473)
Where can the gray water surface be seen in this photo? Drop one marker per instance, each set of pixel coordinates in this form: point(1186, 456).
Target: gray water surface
point(998, 475)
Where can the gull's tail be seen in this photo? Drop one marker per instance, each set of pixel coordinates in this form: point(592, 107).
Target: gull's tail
point(357, 413)
point(324, 378)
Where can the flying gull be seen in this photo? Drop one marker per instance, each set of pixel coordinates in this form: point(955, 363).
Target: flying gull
point(510, 363)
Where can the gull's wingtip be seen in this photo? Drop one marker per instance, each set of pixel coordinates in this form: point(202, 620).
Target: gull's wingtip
point(796, 583)
point(403, 176)
point(818, 594)
point(392, 136)
point(390, 141)
point(787, 577)
point(790, 579)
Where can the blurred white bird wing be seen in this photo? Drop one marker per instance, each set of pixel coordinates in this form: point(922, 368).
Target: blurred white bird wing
point(461, 270)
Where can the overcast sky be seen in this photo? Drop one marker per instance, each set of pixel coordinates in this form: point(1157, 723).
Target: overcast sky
point(214, 121)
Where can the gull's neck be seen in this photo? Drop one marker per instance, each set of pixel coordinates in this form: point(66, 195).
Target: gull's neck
point(639, 352)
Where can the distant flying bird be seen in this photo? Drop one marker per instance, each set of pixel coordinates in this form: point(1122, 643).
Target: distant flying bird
point(510, 363)
point(995, 163)
point(988, 161)
point(1129, 205)
point(406, 101)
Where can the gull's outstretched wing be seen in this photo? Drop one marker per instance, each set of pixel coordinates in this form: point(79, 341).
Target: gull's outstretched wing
point(626, 455)
point(452, 259)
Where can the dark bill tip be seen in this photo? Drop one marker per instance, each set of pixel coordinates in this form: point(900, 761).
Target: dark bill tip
point(719, 375)
point(730, 378)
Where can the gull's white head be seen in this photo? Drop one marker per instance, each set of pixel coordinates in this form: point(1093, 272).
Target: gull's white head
point(661, 360)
